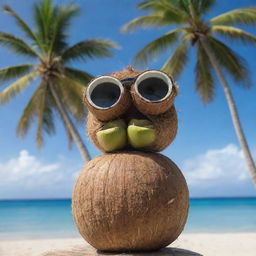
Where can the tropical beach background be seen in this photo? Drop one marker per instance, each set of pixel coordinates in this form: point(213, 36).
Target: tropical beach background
point(36, 185)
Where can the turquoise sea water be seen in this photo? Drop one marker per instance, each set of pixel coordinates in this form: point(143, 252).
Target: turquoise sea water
point(53, 218)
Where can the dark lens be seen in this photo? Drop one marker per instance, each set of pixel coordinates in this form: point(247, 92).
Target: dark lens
point(153, 89)
point(105, 95)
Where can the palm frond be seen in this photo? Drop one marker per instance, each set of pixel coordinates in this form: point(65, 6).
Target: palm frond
point(202, 6)
point(175, 64)
point(154, 5)
point(64, 14)
point(13, 72)
point(204, 77)
point(185, 6)
point(72, 96)
point(56, 82)
point(67, 129)
point(148, 21)
point(17, 87)
point(35, 109)
point(51, 25)
point(89, 49)
point(158, 46)
point(78, 75)
point(164, 6)
point(169, 9)
point(44, 116)
point(234, 33)
point(20, 22)
point(17, 45)
point(163, 13)
point(235, 65)
point(44, 16)
point(242, 16)
point(29, 113)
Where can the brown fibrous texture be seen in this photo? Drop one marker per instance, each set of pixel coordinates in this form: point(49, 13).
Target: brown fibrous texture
point(130, 201)
point(165, 125)
point(126, 73)
point(146, 107)
point(154, 108)
point(112, 112)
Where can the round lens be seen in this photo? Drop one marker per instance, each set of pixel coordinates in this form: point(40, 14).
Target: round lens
point(153, 85)
point(104, 92)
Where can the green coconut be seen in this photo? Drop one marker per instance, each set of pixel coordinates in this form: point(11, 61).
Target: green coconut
point(112, 136)
point(141, 133)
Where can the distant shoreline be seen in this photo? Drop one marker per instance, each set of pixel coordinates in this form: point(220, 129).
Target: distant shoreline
point(66, 199)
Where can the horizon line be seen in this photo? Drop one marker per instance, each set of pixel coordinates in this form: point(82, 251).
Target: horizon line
point(69, 198)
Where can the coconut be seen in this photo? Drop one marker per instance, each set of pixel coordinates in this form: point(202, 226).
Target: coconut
point(127, 72)
point(130, 201)
point(164, 122)
point(145, 105)
point(154, 92)
point(106, 98)
point(165, 126)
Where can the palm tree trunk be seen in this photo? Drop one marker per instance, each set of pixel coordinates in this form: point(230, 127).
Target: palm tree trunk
point(233, 111)
point(74, 133)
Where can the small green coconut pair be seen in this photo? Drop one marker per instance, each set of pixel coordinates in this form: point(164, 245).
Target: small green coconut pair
point(115, 134)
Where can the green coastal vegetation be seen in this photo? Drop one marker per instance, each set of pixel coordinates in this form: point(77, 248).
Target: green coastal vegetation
point(60, 85)
point(212, 55)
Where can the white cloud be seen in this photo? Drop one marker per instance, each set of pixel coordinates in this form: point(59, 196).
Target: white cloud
point(24, 166)
point(217, 172)
point(217, 164)
point(26, 176)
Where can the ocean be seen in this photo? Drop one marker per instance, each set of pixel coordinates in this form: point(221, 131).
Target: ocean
point(53, 218)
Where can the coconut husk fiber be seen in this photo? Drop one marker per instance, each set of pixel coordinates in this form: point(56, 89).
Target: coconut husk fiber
point(146, 107)
point(154, 107)
point(166, 126)
point(123, 103)
point(165, 123)
point(143, 105)
point(130, 201)
point(125, 73)
point(112, 112)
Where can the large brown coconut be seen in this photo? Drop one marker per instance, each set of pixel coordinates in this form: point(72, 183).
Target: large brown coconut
point(130, 201)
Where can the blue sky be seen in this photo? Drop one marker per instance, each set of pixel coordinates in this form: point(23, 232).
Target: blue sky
point(206, 147)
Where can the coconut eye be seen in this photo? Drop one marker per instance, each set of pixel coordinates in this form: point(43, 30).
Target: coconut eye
point(106, 98)
point(154, 92)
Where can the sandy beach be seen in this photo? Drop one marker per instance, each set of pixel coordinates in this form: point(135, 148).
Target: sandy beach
point(222, 244)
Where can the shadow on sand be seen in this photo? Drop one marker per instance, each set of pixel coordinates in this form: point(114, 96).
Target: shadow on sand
point(88, 251)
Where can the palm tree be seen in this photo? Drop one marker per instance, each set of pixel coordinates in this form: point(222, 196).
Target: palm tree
point(59, 84)
point(211, 53)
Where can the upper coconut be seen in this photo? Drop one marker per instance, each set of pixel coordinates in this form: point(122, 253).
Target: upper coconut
point(132, 110)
